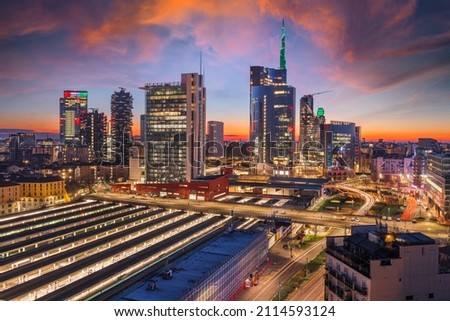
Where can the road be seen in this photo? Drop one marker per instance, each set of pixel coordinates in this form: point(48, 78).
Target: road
point(432, 230)
point(283, 269)
point(312, 290)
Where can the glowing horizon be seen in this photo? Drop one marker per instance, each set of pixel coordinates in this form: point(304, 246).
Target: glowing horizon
point(387, 63)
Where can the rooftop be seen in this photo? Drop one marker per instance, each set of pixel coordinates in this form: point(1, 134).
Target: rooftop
point(39, 179)
point(193, 268)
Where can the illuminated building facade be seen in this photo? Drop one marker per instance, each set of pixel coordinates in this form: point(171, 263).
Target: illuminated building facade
point(36, 192)
point(311, 151)
point(338, 139)
point(419, 167)
point(176, 121)
point(272, 113)
point(121, 126)
point(307, 121)
point(9, 198)
point(72, 112)
point(95, 134)
point(438, 184)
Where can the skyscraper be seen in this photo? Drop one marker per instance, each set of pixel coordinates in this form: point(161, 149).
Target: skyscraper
point(272, 112)
point(95, 134)
point(215, 147)
point(339, 139)
point(308, 124)
point(121, 123)
point(72, 112)
point(175, 115)
point(311, 151)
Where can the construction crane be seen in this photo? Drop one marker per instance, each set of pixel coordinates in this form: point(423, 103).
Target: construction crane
point(322, 92)
point(310, 99)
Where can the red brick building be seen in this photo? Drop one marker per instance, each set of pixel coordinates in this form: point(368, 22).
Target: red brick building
point(203, 189)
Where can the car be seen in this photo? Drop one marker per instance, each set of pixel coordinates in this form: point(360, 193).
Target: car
point(384, 217)
point(398, 219)
point(334, 217)
point(389, 218)
point(343, 218)
point(414, 221)
point(357, 219)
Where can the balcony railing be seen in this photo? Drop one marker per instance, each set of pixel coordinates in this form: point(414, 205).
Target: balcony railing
point(349, 284)
point(351, 260)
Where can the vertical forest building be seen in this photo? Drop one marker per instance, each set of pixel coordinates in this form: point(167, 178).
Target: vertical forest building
point(121, 126)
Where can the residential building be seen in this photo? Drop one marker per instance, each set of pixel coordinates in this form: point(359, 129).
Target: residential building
point(95, 134)
point(392, 168)
point(176, 121)
point(438, 185)
point(373, 264)
point(419, 167)
point(121, 126)
point(36, 192)
point(9, 198)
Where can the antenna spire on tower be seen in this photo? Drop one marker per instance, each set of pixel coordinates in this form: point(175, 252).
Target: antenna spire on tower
point(283, 47)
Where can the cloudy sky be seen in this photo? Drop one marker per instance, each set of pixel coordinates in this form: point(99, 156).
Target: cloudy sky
point(386, 62)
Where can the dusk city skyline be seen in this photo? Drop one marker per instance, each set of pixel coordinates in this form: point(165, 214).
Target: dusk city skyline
point(294, 152)
point(386, 63)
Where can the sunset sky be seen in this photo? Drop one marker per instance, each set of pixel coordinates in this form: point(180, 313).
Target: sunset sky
point(386, 62)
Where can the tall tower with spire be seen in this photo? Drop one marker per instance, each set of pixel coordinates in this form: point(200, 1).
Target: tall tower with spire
point(272, 116)
point(283, 48)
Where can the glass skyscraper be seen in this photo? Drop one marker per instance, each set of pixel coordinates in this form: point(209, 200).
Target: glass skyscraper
point(272, 112)
point(339, 140)
point(175, 122)
point(72, 117)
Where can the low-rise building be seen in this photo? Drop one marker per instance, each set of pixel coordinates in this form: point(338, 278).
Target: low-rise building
point(216, 271)
point(204, 188)
point(373, 264)
point(392, 169)
point(37, 192)
point(9, 198)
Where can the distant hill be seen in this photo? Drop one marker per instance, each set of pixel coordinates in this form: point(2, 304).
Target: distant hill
point(5, 132)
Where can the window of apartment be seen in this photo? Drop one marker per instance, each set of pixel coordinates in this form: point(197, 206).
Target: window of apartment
point(409, 297)
point(430, 295)
point(385, 262)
